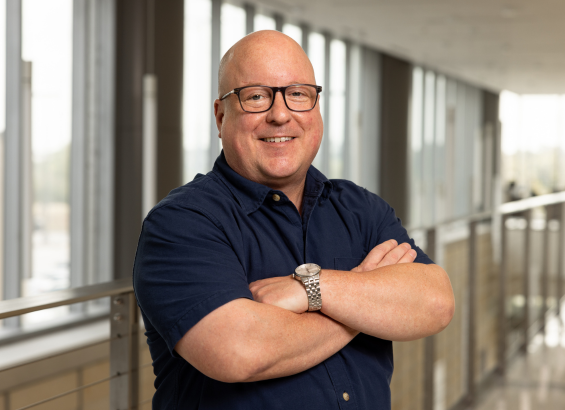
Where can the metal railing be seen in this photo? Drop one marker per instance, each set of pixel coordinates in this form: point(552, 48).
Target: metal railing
point(123, 341)
point(124, 326)
point(554, 205)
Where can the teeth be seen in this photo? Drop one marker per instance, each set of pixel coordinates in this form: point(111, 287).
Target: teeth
point(282, 139)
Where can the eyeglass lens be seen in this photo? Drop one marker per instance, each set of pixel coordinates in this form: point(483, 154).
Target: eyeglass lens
point(298, 98)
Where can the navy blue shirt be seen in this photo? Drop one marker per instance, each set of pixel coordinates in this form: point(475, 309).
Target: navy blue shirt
point(206, 241)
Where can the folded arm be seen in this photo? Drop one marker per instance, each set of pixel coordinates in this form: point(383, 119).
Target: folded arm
point(245, 341)
point(386, 296)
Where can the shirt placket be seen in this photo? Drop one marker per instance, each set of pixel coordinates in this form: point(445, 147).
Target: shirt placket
point(343, 389)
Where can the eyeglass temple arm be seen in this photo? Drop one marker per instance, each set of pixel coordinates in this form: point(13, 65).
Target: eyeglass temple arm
point(225, 95)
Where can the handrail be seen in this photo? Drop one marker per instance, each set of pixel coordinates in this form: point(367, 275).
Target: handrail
point(507, 208)
point(20, 306)
point(532, 202)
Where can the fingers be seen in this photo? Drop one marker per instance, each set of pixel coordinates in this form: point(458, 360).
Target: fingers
point(376, 255)
point(395, 255)
point(408, 257)
point(385, 254)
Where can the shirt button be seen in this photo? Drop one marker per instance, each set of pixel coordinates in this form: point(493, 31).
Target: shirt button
point(345, 396)
point(276, 198)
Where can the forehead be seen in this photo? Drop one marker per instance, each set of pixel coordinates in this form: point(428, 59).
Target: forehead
point(270, 64)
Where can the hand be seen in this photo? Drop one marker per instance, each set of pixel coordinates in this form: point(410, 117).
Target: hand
point(387, 253)
point(285, 292)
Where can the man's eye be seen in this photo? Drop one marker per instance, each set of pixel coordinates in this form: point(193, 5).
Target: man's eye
point(256, 97)
point(297, 94)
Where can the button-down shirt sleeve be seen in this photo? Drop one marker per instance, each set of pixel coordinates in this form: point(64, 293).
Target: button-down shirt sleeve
point(185, 268)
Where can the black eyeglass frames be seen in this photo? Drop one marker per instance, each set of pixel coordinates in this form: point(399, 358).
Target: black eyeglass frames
point(260, 98)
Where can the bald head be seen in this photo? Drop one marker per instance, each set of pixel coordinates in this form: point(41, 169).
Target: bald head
point(268, 50)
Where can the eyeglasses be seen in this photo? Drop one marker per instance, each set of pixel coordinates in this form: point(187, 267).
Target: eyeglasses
point(260, 98)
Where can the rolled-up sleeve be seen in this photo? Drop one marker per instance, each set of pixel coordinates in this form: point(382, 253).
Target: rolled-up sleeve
point(184, 269)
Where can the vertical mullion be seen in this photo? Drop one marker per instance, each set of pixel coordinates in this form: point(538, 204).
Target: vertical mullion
point(216, 50)
point(347, 123)
point(106, 38)
point(78, 144)
point(370, 137)
point(249, 18)
point(279, 22)
point(305, 37)
point(325, 147)
point(13, 157)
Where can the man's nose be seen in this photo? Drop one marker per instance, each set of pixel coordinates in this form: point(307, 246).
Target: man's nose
point(279, 113)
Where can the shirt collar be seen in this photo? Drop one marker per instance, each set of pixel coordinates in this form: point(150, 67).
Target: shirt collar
point(251, 195)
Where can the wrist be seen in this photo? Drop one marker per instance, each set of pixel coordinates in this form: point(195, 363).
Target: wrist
point(309, 275)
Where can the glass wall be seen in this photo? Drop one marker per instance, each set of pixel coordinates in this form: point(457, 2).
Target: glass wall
point(317, 55)
point(47, 54)
point(2, 129)
point(293, 32)
point(446, 149)
point(233, 26)
point(262, 22)
point(533, 144)
point(197, 84)
point(416, 129)
point(336, 134)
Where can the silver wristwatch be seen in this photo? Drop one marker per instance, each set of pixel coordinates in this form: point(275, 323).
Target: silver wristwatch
point(309, 274)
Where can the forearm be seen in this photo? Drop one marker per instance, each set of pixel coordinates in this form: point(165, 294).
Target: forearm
point(298, 343)
point(399, 302)
point(250, 341)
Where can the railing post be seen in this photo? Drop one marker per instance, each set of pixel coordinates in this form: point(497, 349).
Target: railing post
point(545, 266)
point(561, 257)
point(527, 274)
point(471, 391)
point(124, 354)
point(429, 342)
point(502, 330)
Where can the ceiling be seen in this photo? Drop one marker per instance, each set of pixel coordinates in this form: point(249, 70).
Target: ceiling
point(514, 45)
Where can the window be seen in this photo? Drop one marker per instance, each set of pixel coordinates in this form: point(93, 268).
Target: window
point(262, 22)
point(428, 159)
point(47, 53)
point(416, 128)
point(197, 86)
point(233, 26)
point(337, 108)
point(2, 129)
point(293, 32)
point(533, 144)
point(317, 55)
point(440, 187)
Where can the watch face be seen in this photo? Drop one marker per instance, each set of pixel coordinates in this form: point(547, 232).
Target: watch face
point(308, 269)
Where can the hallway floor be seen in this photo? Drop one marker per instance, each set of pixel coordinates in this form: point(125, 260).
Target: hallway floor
point(535, 381)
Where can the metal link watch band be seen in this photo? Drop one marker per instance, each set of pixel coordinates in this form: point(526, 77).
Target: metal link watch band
point(312, 285)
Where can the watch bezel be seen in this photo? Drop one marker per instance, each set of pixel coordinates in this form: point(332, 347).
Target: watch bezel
point(308, 274)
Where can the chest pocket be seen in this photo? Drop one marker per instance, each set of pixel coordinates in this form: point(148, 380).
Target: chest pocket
point(346, 263)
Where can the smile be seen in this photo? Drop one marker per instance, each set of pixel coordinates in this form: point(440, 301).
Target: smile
point(281, 139)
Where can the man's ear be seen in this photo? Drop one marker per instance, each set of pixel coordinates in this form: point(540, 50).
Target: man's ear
point(219, 115)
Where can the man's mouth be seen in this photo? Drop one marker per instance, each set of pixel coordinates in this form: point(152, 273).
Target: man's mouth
point(278, 139)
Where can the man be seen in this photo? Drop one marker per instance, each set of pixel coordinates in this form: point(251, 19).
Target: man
point(228, 326)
